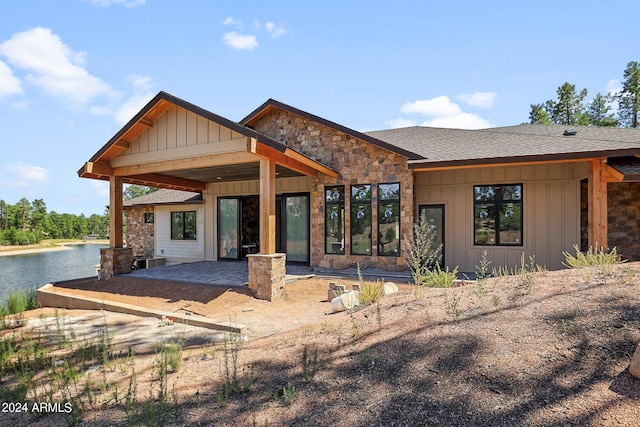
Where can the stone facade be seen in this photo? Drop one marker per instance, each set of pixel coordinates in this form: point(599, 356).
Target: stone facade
point(267, 275)
point(623, 211)
point(357, 162)
point(115, 261)
point(140, 234)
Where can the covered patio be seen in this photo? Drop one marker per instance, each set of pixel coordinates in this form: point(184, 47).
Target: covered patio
point(173, 144)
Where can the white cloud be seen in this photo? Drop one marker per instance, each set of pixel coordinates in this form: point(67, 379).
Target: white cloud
point(9, 84)
point(614, 86)
point(141, 82)
point(458, 121)
point(53, 66)
point(478, 99)
point(127, 3)
point(24, 176)
point(240, 41)
point(230, 21)
point(101, 188)
point(132, 107)
point(401, 123)
point(440, 105)
point(439, 112)
point(275, 30)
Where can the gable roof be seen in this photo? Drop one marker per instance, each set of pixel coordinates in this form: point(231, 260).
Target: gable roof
point(164, 196)
point(272, 104)
point(512, 144)
point(155, 108)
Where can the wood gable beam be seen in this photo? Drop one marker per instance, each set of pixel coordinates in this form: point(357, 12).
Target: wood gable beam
point(163, 181)
point(289, 159)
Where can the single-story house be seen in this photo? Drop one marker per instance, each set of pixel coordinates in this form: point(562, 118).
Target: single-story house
point(284, 181)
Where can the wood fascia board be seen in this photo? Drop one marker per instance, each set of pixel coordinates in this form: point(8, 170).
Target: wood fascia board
point(95, 169)
point(420, 168)
point(178, 164)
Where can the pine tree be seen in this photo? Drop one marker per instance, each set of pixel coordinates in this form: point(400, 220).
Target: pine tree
point(629, 97)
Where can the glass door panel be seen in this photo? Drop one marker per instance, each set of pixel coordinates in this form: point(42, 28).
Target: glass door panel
point(297, 228)
point(228, 228)
point(434, 215)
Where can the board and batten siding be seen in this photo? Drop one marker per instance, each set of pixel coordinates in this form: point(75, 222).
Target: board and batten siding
point(179, 250)
point(180, 134)
point(551, 212)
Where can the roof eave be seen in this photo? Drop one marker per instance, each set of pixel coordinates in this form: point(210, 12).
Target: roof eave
point(535, 158)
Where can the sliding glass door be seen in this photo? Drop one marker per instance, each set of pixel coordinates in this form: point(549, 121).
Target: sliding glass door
point(296, 227)
point(229, 227)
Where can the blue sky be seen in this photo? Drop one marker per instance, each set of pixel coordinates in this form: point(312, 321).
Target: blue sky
point(72, 72)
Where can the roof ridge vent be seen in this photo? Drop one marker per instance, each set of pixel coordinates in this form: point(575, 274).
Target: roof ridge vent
point(570, 132)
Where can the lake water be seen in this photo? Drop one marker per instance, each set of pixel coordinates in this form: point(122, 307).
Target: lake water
point(35, 270)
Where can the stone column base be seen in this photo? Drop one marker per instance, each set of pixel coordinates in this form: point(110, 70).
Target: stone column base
point(115, 261)
point(267, 275)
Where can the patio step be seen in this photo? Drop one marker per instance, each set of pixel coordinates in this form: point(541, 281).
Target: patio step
point(49, 296)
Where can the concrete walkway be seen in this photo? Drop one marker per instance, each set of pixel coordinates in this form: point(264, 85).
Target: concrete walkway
point(235, 273)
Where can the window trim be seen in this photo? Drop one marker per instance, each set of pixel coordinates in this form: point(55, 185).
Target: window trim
point(381, 201)
point(498, 203)
point(353, 203)
point(195, 233)
point(328, 204)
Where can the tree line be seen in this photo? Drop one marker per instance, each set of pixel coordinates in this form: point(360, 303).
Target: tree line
point(28, 223)
point(615, 109)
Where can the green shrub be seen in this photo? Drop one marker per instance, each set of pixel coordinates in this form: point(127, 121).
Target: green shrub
point(439, 278)
point(591, 257)
point(20, 300)
point(16, 301)
point(422, 253)
point(370, 292)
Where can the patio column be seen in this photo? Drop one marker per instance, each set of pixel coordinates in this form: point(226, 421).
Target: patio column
point(116, 259)
point(267, 270)
point(267, 206)
point(597, 211)
point(115, 212)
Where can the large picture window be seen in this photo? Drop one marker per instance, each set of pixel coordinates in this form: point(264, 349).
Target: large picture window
point(183, 225)
point(334, 220)
point(498, 215)
point(389, 219)
point(361, 219)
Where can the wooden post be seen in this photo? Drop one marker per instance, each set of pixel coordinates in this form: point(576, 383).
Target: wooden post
point(598, 232)
point(115, 212)
point(267, 206)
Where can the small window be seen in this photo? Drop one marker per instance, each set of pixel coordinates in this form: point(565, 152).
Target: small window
point(498, 215)
point(389, 219)
point(334, 220)
point(183, 225)
point(148, 217)
point(361, 219)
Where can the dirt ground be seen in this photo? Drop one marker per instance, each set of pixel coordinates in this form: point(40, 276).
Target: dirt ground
point(538, 349)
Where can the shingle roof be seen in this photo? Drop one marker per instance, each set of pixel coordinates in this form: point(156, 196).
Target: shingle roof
point(512, 143)
point(164, 196)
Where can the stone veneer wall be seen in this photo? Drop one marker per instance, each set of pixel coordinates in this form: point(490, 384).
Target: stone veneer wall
point(114, 261)
point(140, 235)
point(357, 162)
point(623, 210)
point(267, 275)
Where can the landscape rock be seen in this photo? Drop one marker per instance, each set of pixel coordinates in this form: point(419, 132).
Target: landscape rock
point(634, 367)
